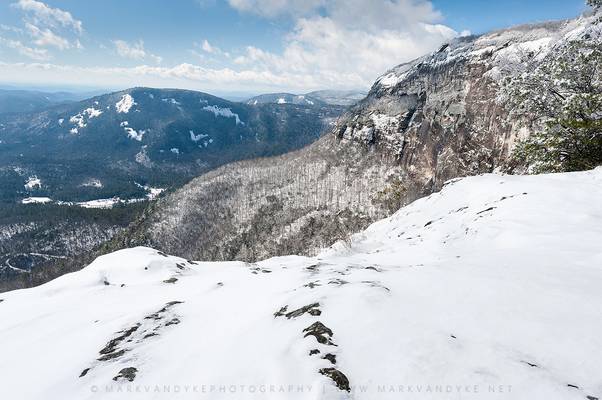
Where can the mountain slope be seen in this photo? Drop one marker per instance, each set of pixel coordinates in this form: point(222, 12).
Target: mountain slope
point(149, 136)
point(437, 118)
point(488, 286)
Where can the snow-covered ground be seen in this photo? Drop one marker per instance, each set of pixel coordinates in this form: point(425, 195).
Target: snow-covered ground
point(489, 289)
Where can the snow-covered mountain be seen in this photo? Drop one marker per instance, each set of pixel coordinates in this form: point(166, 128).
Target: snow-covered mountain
point(101, 147)
point(489, 289)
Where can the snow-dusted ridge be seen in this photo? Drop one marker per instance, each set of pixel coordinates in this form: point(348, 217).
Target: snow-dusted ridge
point(503, 52)
point(491, 285)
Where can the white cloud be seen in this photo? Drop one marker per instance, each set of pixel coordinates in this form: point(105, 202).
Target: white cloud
point(41, 13)
point(33, 53)
point(45, 38)
point(207, 47)
point(333, 44)
point(9, 28)
point(346, 43)
point(180, 76)
point(41, 23)
point(134, 51)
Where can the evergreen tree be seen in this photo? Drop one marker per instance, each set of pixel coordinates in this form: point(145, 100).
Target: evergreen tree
point(566, 94)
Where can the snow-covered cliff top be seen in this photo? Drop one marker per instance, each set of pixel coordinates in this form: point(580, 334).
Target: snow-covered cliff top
point(492, 285)
point(504, 52)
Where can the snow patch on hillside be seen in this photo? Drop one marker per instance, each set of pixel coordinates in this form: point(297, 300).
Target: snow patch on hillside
point(134, 134)
point(36, 200)
point(103, 203)
point(81, 119)
point(196, 138)
point(125, 104)
point(153, 192)
point(143, 158)
point(171, 101)
point(33, 182)
point(223, 112)
point(93, 182)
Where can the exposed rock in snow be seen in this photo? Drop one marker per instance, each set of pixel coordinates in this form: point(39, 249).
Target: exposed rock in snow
point(93, 182)
point(92, 112)
point(125, 104)
point(143, 158)
point(223, 112)
point(171, 101)
point(134, 134)
point(81, 119)
point(33, 182)
point(488, 289)
point(153, 193)
point(78, 120)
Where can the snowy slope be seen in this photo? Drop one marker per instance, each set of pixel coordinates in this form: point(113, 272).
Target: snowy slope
point(492, 285)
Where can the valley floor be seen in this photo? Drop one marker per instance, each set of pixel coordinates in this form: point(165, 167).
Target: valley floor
point(489, 289)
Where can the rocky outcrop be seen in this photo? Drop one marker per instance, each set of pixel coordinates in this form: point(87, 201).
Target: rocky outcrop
point(445, 115)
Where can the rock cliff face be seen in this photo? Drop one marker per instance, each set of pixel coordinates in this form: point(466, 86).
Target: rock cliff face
point(445, 115)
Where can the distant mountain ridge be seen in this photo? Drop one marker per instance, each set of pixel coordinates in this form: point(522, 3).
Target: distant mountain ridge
point(144, 136)
point(25, 101)
point(318, 98)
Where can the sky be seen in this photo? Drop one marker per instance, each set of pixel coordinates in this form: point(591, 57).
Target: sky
point(239, 46)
